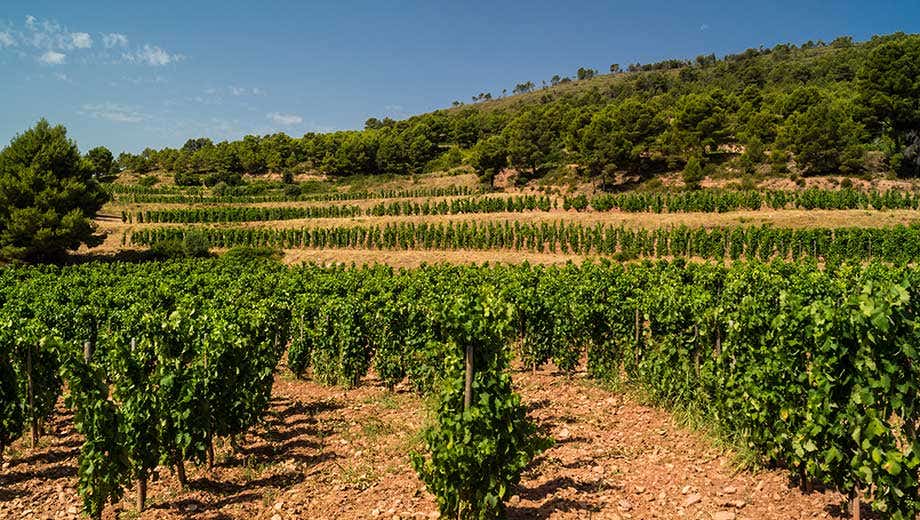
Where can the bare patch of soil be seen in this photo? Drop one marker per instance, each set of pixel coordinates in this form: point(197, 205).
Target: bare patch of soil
point(326, 453)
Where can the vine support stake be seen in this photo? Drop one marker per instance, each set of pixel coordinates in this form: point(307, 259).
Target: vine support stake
point(180, 472)
point(468, 384)
point(637, 335)
point(31, 391)
point(854, 507)
point(141, 492)
point(87, 351)
point(718, 341)
point(696, 353)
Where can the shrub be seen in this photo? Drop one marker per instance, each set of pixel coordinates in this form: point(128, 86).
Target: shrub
point(292, 190)
point(193, 245)
point(186, 179)
point(168, 249)
point(693, 173)
point(220, 189)
point(196, 245)
point(245, 253)
point(476, 455)
point(148, 180)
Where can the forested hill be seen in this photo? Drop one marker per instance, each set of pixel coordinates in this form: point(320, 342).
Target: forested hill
point(843, 107)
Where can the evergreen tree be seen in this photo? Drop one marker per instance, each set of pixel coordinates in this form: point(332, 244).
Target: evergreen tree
point(47, 195)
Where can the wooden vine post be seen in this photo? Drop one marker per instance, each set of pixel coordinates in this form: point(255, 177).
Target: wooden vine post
point(854, 506)
point(209, 454)
point(467, 399)
point(87, 351)
point(468, 383)
point(142, 477)
point(30, 390)
point(637, 335)
point(718, 342)
point(696, 348)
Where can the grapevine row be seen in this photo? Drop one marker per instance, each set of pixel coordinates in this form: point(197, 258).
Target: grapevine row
point(894, 244)
point(720, 201)
point(704, 201)
point(141, 196)
point(401, 208)
point(238, 214)
point(815, 370)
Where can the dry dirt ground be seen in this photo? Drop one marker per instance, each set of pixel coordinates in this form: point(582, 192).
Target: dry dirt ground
point(790, 218)
point(324, 453)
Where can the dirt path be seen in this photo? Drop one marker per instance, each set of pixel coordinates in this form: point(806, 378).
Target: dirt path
point(786, 218)
point(324, 453)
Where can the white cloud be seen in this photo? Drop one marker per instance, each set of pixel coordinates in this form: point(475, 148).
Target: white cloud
point(704, 27)
point(110, 40)
point(53, 41)
point(52, 58)
point(47, 35)
point(81, 40)
point(63, 77)
point(113, 112)
point(243, 91)
point(284, 119)
point(152, 55)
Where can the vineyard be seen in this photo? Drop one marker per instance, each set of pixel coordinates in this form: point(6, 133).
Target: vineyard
point(892, 244)
point(684, 289)
point(128, 193)
point(779, 322)
point(708, 201)
point(811, 369)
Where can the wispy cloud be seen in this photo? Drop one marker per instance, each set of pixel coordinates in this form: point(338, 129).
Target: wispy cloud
point(704, 27)
point(284, 119)
point(52, 42)
point(396, 111)
point(81, 40)
point(151, 55)
point(53, 58)
point(144, 80)
point(243, 91)
point(50, 35)
point(63, 77)
point(113, 112)
point(110, 40)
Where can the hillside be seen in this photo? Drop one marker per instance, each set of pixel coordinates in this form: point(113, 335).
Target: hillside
point(843, 108)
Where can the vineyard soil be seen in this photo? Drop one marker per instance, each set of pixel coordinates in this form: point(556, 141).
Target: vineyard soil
point(326, 453)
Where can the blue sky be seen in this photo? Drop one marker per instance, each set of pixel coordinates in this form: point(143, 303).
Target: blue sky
point(128, 75)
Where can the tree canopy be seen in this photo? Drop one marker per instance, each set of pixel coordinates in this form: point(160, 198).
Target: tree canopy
point(47, 195)
point(651, 118)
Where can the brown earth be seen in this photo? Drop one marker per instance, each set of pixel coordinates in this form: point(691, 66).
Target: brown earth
point(790, 218)
point(327, 453)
